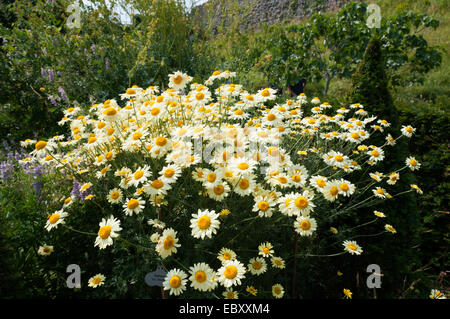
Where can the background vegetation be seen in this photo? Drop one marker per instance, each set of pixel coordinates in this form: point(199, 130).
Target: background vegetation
point(46, 66)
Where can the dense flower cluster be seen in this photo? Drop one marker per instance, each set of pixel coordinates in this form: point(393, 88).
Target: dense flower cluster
point(202, 161)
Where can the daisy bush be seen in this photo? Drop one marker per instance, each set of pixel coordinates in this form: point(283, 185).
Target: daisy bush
point(221, 187)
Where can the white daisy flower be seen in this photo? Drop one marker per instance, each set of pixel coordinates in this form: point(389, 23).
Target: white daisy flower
point(352, 247)
point(168, 243)
point(133, 206)
point(412, 163)
point(305, 226)
point(231, 273)
point(109, 229)
point(257, 266)
point(201, 276)
point(55, 219)
point(175, 282)
point(204, 224)
point(115, 196)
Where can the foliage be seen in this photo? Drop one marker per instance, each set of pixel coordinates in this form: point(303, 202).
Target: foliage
point(330, 46)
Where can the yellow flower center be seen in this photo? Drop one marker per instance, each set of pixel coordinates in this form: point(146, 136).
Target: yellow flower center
point(301, 202)
point(200, 96)
point(321, 183)
point(211, 177)
point(104, 231)
point(244, 184)
point(168, 242)
point(334, 191)
point(133, 203)
point(257, 265)
point(238, 112)
point(115, 195)
point(218, 190)
point(263, 205)
point(155, 111)
point(40, 145)
point(110, 111)
point(178, 79)
point(138, 174)
point(344, 187)
point(375, 153)
point(230, 272)
point(271, 117)
point(355, 135)
point(131, 91)
point(169, 172)
point(413, 162)
point(339, 158)
point(200, 276)
point(296, 178)
point(54, 218)
point(137, 135)
point(161, 141)
point(305, 225)
point(175, 281)
point(351, 246)
point(96, 280)
point(157, 184)
point(204, 222)
point(243, 166)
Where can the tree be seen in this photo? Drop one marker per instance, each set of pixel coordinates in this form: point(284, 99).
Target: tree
point(331, 46)
point(370, 88)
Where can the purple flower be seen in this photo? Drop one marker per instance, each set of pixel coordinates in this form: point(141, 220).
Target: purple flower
point(53, 102)
point(76, 189)
point(43, 72)
point(50, 75)
point(62, 93)
point(107, 64)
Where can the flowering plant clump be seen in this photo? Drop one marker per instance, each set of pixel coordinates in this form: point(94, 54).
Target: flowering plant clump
point(214, 184)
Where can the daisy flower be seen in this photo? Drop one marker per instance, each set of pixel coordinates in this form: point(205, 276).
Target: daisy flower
point(376, 154)
point(379, 214)
point(140, 176)
point(277, 262)
point(352, 247)
point(168, 243)
point(231, 273)
point(201, 276)
point(408, 130)
point(318, 182)
point(436, 294)
point(412, 163)
point(265, 249)
point(157, 187)
point(115, 196)
point(251, 290)
point(229, 293)
point(303, 203)
point(204, 224)
point(390, 228)
point(263, 205)
point(331, 191)
point(417, 188)
point(305, 226)
point(175, 282)
point(133, 205)
point(218, 191)
point(347, 293)
point(96, 281)
point(257, 266)
point(379, 192)
point(226, 254)
point(158, 224)
point(55, 219)
point(154, 238)
point(393, 178)
point(245, 185)
point(109, 229)
point(345, 187)
point(170, 173)
point(242, 166)
point(45, 250)
point(277, 291)
point(179, 80)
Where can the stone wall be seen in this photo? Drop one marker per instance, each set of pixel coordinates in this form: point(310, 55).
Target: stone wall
point(257, 12)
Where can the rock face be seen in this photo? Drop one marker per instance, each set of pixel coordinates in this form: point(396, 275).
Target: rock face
point(254, 13)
